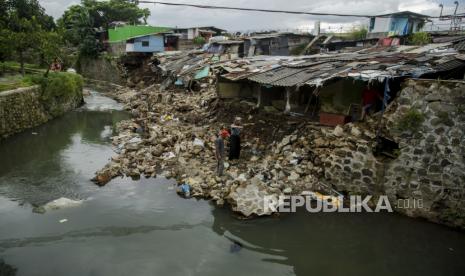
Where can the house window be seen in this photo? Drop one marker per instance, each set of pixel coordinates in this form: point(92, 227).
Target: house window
point(372, 23)
point(145, 44)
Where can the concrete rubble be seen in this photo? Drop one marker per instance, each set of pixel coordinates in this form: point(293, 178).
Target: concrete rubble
point(172, 135)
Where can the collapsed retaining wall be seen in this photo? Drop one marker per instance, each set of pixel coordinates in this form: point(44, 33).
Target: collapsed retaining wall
point(426, 177)
point(25, 108)
point(101, 68)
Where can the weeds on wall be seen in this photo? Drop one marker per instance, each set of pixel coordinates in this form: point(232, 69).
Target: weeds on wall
point(411, 121)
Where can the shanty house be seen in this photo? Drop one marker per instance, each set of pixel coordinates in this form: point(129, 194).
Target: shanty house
point(227, 49)
point(331, 87)
point(396, 24)
point(187, 35)
point(275, 44)
point(139, 39)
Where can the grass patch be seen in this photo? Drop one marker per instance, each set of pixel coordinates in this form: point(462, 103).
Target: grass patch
point(10, 82)
point(411, 121)
point(14, 64)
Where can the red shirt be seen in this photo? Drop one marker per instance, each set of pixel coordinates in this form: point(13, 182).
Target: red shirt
point(369, 96)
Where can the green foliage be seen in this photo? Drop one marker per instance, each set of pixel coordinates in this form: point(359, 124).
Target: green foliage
point(105, 12)
point(411, 121)
point(420, 38)
point(14, 64)
point(59, 87)
point(24, 27)
point(199, 40)
point(358, 33)
point(11, 82)
point(79, 22)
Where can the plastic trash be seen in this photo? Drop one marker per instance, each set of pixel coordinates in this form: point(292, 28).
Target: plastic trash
point(185, 190)
point(168, 155)
point(165, 118)
point(135, 140)
point(235, 247)
point(198, 142)
point(61, 203)
point(63, 220)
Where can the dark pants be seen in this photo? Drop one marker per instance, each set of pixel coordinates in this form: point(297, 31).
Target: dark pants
point(234, 147)
point(220, 166)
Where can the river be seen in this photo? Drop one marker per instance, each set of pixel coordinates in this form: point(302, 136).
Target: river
point(143, 228)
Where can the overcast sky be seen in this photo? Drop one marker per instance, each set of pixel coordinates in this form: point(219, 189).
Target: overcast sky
point(242, 21)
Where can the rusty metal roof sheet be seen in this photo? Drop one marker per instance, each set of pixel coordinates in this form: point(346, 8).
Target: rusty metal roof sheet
point(449, 65)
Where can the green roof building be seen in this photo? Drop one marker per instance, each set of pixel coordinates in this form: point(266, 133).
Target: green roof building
point(122, 34)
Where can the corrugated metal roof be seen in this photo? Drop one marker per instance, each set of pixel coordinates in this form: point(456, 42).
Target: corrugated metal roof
point(274, 75)
point(287, 77)
point(460, 46)
point(228, 42)
point(449, 39)
point(449, 65)
point(289, 71)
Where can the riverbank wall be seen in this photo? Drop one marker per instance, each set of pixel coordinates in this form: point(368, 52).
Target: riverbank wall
point(24, 108)
point(425, 173)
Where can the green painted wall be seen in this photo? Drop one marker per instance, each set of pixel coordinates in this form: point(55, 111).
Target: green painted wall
point(126, 32)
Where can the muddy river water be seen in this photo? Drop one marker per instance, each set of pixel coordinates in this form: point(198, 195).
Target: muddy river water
point(143, 228)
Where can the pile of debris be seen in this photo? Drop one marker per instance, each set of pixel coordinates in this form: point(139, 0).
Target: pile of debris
point(172, 134)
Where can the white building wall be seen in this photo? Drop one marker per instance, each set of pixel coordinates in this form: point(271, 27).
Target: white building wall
point(190, 33)
point(382, 24)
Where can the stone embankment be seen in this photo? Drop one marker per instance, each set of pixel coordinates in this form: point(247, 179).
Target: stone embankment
point(173, 134)
point(28, 107)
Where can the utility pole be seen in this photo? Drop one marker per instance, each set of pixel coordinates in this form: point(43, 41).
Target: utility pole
point(455, 20)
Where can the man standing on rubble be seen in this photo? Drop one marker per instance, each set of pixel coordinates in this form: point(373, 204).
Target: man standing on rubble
point(235, 140)
point(219, 149)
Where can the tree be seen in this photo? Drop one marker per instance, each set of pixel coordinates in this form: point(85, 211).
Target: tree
point(50, 47)
point(105, 12)
point(80, 22)
point(25, 37)
point(22, 25)
point(78, 30)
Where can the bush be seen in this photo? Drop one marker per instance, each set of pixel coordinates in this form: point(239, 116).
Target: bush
point(420, 38)
point(411, 121)
point(199, 41)
point(57, 89)
point(358, 33)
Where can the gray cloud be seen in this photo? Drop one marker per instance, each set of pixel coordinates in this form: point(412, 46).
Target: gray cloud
point(237, 20)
